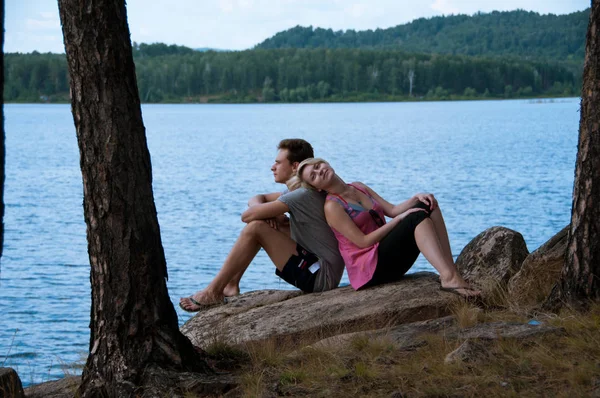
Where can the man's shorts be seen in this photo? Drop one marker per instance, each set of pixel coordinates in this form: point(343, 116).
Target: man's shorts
point(301, 270)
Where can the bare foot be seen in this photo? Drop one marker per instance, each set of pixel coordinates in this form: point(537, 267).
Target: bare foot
point(231, 290)
point(202, 300)
point(463, 291)
point(460, 287)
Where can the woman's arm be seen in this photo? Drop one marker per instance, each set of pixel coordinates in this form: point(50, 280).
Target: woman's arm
point(392, 211)
point(264, 211)
point(338, 219)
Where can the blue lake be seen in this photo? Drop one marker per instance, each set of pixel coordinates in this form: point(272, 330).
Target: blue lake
point(508, 163)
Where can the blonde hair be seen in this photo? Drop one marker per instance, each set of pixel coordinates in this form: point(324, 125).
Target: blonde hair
point(297, 181)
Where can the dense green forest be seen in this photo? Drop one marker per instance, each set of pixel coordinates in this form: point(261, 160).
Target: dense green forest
point(299, 75)
point(520, 33)
point(374, 72)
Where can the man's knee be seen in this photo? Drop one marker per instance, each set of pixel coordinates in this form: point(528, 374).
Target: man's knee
point(255, 227)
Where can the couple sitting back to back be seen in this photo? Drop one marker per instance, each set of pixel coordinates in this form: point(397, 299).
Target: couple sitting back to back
point(306, 253)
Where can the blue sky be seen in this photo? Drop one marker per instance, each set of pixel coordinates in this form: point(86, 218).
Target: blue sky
point(240, 24)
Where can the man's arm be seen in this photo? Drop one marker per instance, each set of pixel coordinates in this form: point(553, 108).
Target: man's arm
point(264, 198)
point(264, 211)
point(280, 222)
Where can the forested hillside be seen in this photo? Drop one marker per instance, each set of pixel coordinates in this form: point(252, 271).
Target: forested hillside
point(298, 75)
point(520, 54)
point(519, 33)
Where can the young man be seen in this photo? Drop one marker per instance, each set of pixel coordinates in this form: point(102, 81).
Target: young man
point(305, 254)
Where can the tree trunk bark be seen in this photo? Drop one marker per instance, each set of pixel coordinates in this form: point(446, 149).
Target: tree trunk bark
point(580, 281)
point(133, 323)
point(2, 136)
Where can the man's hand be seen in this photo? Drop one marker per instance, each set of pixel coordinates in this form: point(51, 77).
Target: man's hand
point(278, 222)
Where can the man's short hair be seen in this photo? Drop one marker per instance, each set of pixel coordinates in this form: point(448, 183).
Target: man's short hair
point(298, 149)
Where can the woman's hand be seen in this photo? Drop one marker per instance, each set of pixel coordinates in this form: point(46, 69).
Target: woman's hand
point(428, 199)
point(402, 216)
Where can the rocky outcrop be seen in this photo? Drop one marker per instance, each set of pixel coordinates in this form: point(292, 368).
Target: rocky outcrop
point(66, 387)
point(399, 313)
point(492, 258)
point(487, 261)
point(404, 337)
point(503, 330)
point(477, 346)
point(290, 316)
point(540, 271)
point(410, 336)
point(10, 383)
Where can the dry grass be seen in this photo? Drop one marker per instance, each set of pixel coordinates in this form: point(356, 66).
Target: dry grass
point(561, 365)
point(252, 384)
point(566, 365)
point(555, 365)
point(466, 314)
point(496, 296)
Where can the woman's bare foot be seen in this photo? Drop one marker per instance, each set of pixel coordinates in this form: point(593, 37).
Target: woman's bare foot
point(462, 291)
point(460, 287)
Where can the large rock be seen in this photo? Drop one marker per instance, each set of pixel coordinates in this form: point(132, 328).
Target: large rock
point(492, 258)
point(409, 336)
point(539, 272)
point(478, 339)
point(290, 316)
point(10, 384)
point(404, 337)
point(62, 388)
point(156, 382)
point(504, 330)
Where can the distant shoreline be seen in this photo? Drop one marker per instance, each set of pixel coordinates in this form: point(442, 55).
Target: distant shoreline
point(332, 99)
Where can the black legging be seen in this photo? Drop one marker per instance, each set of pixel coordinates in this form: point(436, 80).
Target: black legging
point(398, 251)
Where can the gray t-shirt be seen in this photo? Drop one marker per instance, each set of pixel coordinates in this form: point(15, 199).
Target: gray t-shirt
point(309, 229)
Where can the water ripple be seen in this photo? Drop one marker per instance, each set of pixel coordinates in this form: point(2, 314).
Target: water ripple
point(489, 163)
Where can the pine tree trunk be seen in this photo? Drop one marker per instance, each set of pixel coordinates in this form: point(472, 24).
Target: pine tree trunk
point(580, 280)
point(2, 137)
point(133, 323)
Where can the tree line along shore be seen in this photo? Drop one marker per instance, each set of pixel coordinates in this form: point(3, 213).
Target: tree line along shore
point(304, 75)
point(515, 54)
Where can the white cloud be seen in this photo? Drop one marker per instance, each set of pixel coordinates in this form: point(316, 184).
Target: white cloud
point(444, 7)
point(40, 24)
point(43, 43)
point(226, 5)
point(247, 4)
point(49, 15)
point(144, 31)
point(51, 39)
point(356, 10)
point(240, 24)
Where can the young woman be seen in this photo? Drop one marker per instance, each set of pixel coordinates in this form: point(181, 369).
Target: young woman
point(377, 252)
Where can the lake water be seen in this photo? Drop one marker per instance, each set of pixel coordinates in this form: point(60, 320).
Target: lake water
point(508, 163)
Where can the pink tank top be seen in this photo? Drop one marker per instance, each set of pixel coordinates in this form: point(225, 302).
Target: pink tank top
point(360, 262)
